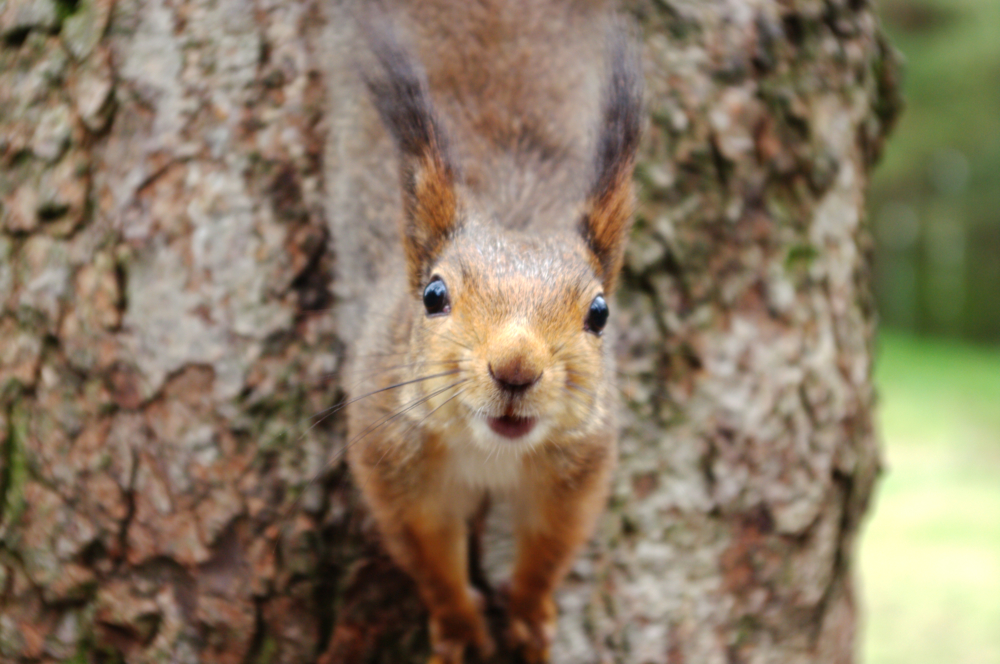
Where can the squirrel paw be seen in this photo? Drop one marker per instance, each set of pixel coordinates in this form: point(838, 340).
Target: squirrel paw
point(452, 650)
point(454, 629)
point(531, 628)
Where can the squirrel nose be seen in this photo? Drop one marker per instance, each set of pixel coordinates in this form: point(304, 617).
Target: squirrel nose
point(514, 376)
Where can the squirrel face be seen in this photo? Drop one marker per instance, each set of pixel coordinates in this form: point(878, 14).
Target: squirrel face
point(511, 319)
point(519, 318)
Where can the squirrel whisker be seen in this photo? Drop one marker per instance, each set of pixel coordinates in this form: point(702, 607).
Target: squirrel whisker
point(453, 340)
point(410, 406)
point(424, 418)
point(420, 363)
point(579, 400)
point(327, 412)
point(385, 420)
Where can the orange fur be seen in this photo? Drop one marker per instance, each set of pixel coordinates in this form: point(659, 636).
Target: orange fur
point(507, 392)
point(430, 214)
point(609, 220)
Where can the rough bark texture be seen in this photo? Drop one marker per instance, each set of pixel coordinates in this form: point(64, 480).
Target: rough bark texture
point(166, 278)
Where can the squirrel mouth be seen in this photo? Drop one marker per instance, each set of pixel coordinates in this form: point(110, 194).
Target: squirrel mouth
point(510, 426)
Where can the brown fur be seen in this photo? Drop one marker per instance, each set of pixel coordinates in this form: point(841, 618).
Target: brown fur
point(430, 213)
point(606, 223)
point(504, 145)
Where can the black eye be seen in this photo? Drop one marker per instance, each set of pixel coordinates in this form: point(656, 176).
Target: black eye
point(597, 317)
point(436, 297)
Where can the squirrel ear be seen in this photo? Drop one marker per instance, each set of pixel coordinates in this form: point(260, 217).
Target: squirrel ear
point(608, 216)
point(399, 92)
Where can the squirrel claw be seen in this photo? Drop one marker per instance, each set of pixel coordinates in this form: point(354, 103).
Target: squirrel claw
point(442, 659)
point(452, 651)
point(531, 628)
point(478, 599)
point(531, 641)
point(452, 632)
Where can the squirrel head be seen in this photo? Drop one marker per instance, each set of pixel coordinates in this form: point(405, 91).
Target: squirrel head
point(519, 316)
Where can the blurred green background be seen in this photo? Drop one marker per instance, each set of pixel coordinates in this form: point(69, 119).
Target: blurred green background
point(936, 196)
point(930, 554)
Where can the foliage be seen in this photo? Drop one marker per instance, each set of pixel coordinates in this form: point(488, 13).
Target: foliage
point(936, 197)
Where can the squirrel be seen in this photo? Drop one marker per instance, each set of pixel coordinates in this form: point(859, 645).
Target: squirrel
point(515, 125)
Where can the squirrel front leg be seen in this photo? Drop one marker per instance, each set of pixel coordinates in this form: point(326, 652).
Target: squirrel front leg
point(553, 521)
point(430, 542)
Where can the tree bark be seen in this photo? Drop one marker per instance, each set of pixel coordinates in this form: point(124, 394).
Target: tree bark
point(176, 280)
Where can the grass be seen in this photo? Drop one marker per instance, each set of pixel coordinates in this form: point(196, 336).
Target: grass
point(930, 554)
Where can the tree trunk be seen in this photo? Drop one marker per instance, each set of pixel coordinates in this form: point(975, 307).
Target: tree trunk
point(172, 219)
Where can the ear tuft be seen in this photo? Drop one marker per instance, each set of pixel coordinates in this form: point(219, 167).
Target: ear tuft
point(608, 218)
point(398, 88)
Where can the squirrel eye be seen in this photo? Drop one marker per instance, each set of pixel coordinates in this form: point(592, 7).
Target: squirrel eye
point(436, 297)
point(597, 317)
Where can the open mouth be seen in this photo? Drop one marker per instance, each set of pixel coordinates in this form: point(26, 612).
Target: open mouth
point(510, 426)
